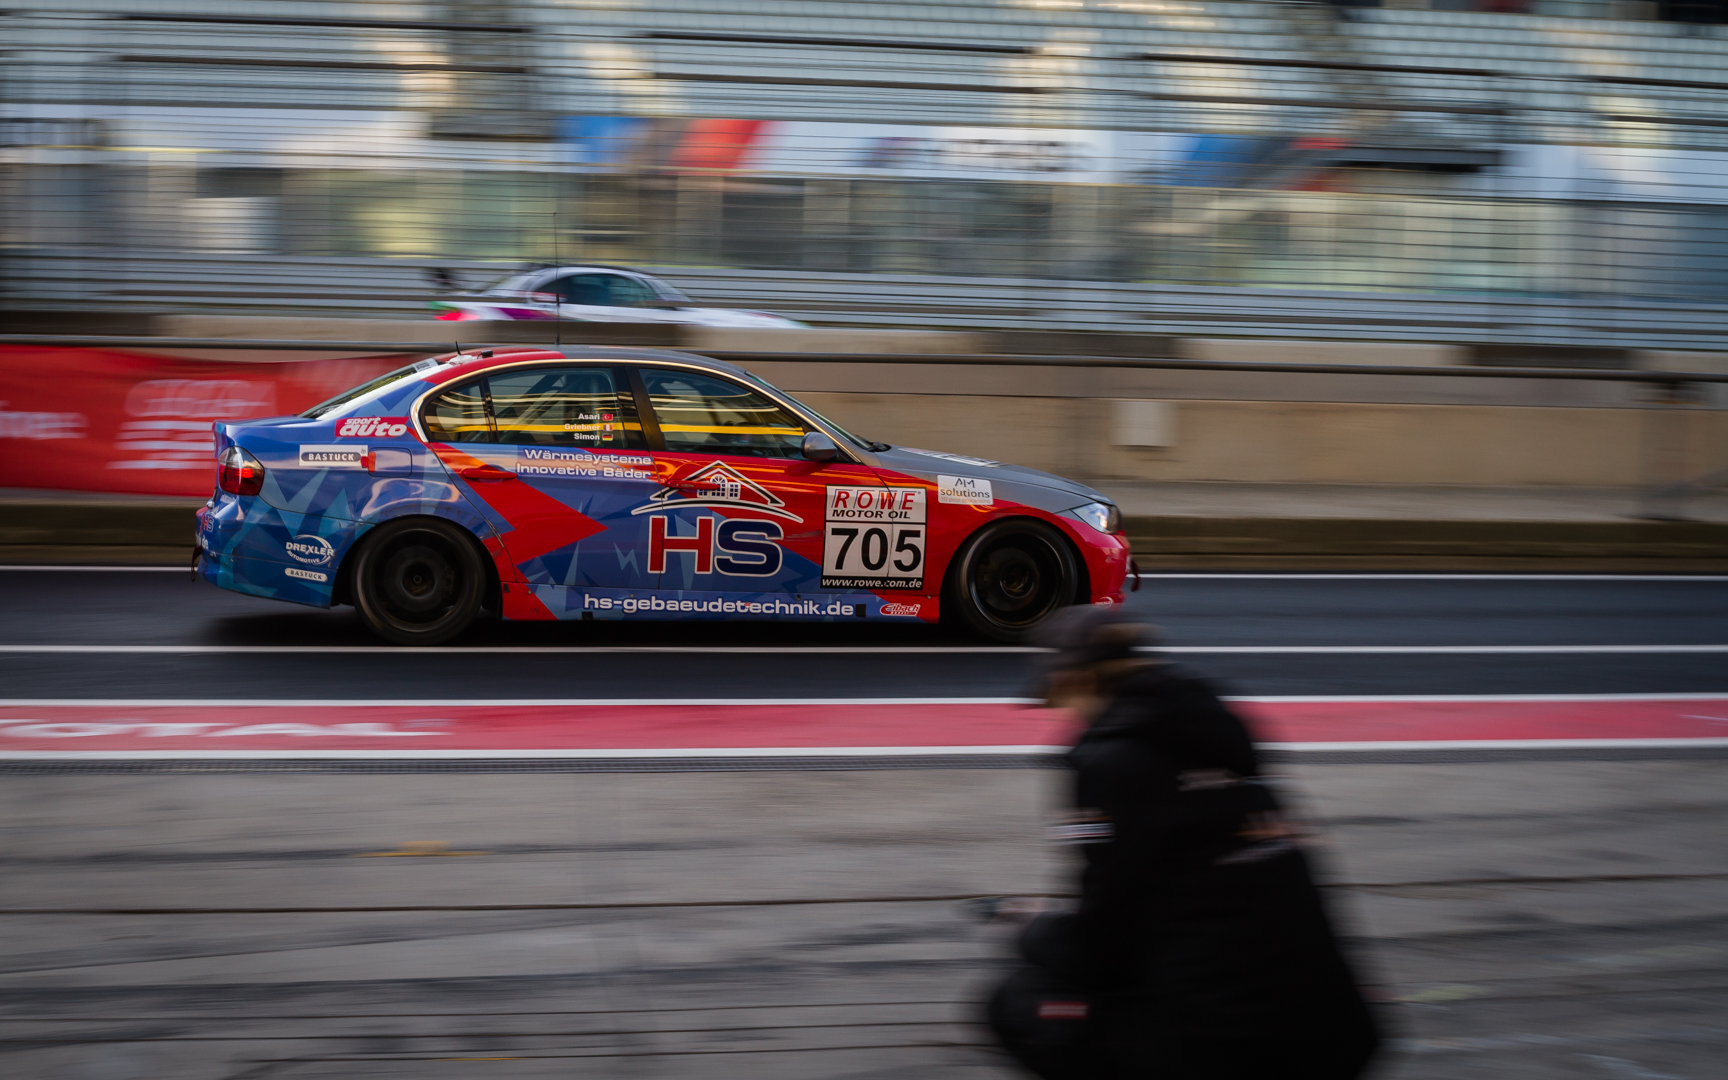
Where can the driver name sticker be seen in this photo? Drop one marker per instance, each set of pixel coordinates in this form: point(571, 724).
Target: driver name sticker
point(964, 491)
point(874, 538)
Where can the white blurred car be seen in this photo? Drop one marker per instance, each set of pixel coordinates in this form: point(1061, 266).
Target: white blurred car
point(595, 294)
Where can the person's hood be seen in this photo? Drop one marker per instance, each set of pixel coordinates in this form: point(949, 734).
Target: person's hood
point(1177, 712)
point(1012, 483)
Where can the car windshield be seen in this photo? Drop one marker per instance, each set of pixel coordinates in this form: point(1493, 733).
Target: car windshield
point(362, 390)
point(862, 444)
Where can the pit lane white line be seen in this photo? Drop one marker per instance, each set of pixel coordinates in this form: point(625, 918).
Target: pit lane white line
point(675, 753)
point(861, 650)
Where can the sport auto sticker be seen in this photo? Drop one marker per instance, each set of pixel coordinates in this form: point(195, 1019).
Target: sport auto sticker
point(372, 427)
point(874, 538)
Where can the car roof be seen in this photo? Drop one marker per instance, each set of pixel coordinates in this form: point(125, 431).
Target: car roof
point(474, 362)
point(584, 268)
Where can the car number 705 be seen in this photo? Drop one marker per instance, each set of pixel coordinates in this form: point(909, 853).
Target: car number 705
point(875, 539)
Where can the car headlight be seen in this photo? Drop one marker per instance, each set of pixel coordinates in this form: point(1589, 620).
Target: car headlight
point(1101, 516)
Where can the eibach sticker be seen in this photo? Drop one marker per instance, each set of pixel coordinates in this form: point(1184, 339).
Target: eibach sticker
point(372, 427)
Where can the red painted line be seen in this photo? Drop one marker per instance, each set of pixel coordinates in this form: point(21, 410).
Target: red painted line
point(71, 730)
point(1476, 720)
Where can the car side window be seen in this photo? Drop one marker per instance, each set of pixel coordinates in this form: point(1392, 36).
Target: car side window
point(459, 415)
point(588, 289)
point(564, 406)
point(701, 414)
point(628, 292)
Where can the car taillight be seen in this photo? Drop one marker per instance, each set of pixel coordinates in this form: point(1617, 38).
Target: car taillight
point(239, 473)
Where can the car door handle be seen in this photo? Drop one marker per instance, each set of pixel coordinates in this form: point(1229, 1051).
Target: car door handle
point(487, 473)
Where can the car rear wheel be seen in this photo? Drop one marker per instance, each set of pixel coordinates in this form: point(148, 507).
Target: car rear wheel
point(418, 582)
point(1012, 576)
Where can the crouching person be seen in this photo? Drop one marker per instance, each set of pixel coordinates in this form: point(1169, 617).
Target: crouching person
point(1200, 947)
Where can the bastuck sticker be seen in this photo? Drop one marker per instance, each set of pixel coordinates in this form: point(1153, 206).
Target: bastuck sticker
point(964, 491)
point(345, 456)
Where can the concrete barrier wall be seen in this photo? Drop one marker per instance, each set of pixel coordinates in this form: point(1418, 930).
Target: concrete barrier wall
point(1276, 427)
point(1165, 424)
point(1306, 442)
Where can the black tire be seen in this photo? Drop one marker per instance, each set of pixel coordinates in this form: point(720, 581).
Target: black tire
point(418, 581)
point(1011, 576)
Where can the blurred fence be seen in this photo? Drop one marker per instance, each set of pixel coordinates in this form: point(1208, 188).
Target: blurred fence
point(1229, 148)
point(221, 283)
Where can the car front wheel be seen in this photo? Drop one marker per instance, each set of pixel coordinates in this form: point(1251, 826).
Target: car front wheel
point(418, 582)
point(1012, 576)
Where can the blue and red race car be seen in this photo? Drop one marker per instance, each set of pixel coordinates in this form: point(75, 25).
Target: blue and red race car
point(633, 484)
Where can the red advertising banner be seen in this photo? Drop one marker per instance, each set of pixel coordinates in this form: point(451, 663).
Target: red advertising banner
point(135, 423)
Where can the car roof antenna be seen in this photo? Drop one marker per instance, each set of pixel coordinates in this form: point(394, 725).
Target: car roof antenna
point(557, 304)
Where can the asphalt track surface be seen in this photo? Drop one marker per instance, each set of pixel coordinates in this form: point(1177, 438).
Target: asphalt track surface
point(1533, 918)
point(1569, 635)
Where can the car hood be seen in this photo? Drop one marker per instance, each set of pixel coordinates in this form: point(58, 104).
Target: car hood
point(1017, 483)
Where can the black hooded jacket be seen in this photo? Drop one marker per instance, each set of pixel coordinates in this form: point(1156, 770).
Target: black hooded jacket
point(1195, 898)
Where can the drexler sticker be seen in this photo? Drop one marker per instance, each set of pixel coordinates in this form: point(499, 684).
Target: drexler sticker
point(964, 490)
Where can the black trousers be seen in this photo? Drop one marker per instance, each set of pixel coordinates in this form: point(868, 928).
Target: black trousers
point(1061, 1033)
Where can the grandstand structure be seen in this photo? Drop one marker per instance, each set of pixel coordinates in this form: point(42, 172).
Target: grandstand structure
point(1542, 160)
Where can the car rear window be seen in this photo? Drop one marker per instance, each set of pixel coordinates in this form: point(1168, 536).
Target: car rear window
point(459, 415)
point(361, 391)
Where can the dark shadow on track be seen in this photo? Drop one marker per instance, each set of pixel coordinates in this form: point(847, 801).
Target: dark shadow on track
point(342, 626)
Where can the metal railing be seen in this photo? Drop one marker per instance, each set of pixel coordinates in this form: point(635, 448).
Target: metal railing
point(401, 289)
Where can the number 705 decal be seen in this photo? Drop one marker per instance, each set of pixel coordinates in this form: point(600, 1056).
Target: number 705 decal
point(875, 538)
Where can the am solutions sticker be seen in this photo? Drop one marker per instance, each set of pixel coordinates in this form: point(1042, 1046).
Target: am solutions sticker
point(964, 491)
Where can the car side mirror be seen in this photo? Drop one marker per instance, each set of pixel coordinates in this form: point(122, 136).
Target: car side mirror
point(819, 447)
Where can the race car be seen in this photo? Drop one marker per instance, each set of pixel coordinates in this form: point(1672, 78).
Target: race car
point(596, 294)
point(628, 484)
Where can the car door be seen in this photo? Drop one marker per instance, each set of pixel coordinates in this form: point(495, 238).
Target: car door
point(738, 507)
point(556, 452)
